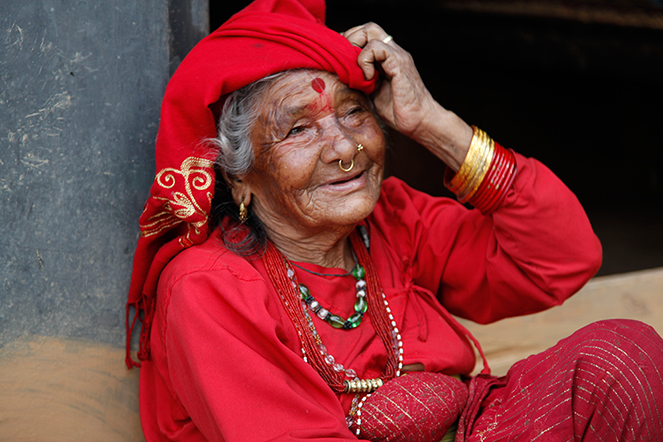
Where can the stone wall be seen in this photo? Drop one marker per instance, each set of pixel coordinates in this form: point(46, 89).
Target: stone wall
point(80, 89)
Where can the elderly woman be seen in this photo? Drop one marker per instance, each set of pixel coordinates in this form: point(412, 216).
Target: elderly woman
point(287, 292)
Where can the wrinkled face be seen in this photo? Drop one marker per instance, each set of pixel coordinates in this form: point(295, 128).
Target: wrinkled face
point(309, 121)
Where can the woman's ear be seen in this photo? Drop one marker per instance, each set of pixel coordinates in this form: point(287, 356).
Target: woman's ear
point(240, 192)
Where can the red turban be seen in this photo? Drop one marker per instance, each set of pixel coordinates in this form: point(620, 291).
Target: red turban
point(267, 37)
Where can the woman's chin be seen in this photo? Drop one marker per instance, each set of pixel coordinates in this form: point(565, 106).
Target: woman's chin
point(359, 192)
point(352, 209)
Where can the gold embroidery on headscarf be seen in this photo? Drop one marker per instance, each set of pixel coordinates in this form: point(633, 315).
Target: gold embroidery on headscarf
point(196, 174)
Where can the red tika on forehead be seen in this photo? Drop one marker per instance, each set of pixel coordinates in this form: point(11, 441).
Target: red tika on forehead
point(318, 85)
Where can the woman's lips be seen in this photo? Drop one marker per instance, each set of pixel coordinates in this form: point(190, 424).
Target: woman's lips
point(350, 183)
point(343, 181)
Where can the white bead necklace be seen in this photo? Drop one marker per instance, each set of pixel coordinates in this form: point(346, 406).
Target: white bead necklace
point(353, 384)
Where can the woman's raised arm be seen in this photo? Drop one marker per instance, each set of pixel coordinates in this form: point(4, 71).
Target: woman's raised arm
point(403, 100)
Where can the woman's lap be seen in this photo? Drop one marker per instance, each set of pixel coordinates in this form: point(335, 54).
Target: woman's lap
point(601, 383)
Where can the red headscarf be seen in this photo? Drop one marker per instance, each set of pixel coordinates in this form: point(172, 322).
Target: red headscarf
point(267, 37)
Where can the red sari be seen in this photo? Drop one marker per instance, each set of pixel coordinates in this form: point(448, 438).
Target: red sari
point(226, 361)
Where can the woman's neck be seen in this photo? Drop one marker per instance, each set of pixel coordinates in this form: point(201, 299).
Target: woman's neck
point(329, 249)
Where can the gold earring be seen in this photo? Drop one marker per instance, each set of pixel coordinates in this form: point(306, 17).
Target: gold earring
point(360, 147)
point(243, 212)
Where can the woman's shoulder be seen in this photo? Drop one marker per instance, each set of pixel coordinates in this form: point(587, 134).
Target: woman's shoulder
point(207, 283)
point(394, 199)
point(209, 275)
point(209, 257)
point(406, 218)
point(400, 202)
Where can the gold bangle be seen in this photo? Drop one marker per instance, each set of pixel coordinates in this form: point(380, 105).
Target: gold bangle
point(477, 162)
point(488, 150)
point(459, 180)
point(476, 167)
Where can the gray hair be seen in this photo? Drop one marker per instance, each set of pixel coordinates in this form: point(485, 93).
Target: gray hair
point(238, 118)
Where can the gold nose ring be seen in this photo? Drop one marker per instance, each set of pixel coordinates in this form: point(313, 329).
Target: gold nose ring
point(360, 147)
point(352, 164)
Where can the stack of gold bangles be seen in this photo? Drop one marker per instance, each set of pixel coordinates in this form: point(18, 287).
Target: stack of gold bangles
point(486, 174)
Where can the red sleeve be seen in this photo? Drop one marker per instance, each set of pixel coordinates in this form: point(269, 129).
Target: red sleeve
point(236, 367)
point(533, 252)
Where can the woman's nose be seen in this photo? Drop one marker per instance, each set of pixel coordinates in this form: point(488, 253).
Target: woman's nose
point(338, 144)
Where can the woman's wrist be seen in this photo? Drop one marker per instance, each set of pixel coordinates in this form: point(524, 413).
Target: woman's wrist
point(480, 171)
point(485, 175)
point(446, 135)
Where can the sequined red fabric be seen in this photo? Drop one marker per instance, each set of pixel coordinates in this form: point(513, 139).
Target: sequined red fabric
point(603, 383)
point(419, 406)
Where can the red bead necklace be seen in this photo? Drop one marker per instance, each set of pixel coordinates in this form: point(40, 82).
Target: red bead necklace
point(277, 267)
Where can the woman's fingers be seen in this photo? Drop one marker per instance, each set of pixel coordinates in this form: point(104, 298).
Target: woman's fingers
point(377, 45)
point(389, 56)
point(373, 52)
point(361, 35)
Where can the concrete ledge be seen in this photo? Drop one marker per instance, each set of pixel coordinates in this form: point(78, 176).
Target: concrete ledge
point(56, 389)
point(636, 295)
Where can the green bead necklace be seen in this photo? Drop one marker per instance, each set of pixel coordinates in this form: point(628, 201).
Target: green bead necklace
point(335, 320)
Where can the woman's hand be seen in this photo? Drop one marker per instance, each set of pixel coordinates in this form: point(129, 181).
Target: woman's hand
point(402, 99)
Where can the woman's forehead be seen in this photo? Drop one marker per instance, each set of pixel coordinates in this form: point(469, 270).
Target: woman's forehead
point(303, 85)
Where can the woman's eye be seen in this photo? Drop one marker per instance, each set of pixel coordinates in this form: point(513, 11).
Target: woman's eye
point(354, 115)
point(355, 111)
point(296, 130)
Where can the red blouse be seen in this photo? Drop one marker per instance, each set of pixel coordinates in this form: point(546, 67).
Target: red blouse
point(226, 360)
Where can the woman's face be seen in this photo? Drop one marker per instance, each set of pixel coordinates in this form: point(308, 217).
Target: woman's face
point(309, 121)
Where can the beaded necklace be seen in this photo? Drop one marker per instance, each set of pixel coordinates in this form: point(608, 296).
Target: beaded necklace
point(326, 274)
point(335, 320)
point(314, 352)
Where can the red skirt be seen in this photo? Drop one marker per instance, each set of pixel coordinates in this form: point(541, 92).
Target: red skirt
point(603, 383)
